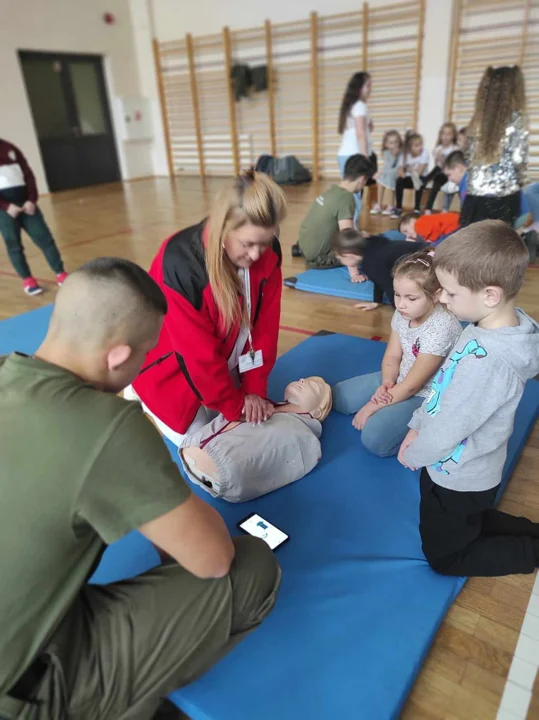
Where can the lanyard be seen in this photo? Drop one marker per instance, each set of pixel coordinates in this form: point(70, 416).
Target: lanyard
point(247, 296)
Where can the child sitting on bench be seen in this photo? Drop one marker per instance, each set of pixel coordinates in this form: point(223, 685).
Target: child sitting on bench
point(422, 334)
point(429, 228)
point(331, 212)
point(459, 435)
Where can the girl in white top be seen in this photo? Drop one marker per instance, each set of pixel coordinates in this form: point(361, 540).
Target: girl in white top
point(445, 145)
point(422, 334)
point(355, 126)
point(412, 173)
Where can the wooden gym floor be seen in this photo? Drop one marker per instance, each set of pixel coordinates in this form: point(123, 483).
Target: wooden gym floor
point(465, 673)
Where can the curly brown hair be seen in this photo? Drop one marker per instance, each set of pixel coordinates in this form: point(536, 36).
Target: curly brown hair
point(499, 94)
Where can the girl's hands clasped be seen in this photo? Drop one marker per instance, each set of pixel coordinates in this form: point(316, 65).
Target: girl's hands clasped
point(382, 396)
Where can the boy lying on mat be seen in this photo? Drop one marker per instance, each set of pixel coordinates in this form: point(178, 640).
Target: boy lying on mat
point(377, 255)
point(429, 228)
point(238, 461)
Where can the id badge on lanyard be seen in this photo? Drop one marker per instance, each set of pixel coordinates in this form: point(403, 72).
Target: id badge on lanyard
point(254, 358)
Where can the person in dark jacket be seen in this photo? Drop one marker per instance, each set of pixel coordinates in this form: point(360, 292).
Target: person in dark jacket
point(19, 211)
point(222, 280)
point(377, 256)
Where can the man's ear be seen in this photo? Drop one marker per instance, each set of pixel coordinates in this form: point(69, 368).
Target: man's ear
point(316, 414)
point(118, 356)
point(492, 296)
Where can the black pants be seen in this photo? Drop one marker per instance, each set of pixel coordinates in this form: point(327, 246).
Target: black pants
point(405, 183)
point(477, 207)
point(462, 534)
point(439, 179)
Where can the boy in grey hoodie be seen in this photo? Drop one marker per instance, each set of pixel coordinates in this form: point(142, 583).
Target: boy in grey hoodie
point(459, 435)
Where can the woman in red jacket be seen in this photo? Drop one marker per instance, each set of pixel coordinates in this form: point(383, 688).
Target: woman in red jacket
point(222, 279)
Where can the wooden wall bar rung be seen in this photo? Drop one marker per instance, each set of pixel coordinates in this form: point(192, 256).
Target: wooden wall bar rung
point(314, 93)
point(163, 103)
point(419, 60)
point(271, 88)
point(194, 100)
point(231, 100)
point(365, 36)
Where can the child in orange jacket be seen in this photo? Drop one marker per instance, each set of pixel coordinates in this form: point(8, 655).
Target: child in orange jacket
point(429, 227)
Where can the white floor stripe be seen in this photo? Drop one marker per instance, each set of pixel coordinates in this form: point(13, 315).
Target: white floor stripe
point(517, 693)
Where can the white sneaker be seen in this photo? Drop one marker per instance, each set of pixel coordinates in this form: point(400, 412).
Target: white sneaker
point(376, 210)
point(389, 210)
point(427, 212)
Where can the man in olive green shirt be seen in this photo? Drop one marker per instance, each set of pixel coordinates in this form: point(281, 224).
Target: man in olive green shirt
point(80, 468)
point(332, 211)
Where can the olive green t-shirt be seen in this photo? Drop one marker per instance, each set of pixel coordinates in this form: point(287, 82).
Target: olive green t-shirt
point(322, 221)
point(79, 468)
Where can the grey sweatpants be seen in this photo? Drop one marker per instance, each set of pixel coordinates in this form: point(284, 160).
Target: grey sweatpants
point(123, 647)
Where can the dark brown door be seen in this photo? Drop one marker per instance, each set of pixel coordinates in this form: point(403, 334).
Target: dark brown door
point(71, 114)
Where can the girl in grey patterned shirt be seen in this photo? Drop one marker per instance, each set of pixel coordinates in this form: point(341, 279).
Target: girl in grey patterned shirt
point(422, 334)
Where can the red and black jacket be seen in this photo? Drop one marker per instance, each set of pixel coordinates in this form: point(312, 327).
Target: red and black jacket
point(188, 368)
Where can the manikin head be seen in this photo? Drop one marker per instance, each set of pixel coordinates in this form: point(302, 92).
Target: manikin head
point(312, 395)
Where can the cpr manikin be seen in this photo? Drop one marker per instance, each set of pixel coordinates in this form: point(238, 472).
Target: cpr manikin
point(238, 462)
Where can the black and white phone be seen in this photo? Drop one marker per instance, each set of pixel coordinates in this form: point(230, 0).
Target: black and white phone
point(255, 525)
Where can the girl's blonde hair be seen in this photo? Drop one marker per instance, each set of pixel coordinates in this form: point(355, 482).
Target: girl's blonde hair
point(454, 131)
point(499, 94)
point(251, 198)
point(387, 135)
point(419, 268)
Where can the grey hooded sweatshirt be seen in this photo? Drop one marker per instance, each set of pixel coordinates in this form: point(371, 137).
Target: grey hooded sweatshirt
point(465, 423)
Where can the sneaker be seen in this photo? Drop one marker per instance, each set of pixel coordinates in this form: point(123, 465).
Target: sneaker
point(31, 287)
point(417, 213)
point(296, 250)
point(428, 212)
point(389, 210)
point(61, 278)
point(376, 210)
point(397, 212)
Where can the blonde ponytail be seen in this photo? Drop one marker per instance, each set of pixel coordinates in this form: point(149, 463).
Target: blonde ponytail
point(251, 198)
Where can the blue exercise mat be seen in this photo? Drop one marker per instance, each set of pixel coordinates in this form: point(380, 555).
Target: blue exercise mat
point(359, 606)
point(335, 282)
point(25, 332)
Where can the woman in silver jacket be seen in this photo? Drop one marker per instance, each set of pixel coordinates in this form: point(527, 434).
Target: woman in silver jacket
point(498, 148)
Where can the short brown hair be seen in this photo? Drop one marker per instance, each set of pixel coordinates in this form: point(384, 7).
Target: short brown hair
point(419, 267)
point(405, 219)
point(349, 242)
point(455, 158)
point(485, 253)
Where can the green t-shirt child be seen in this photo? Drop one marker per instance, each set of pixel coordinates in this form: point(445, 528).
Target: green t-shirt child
point(322, 222)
